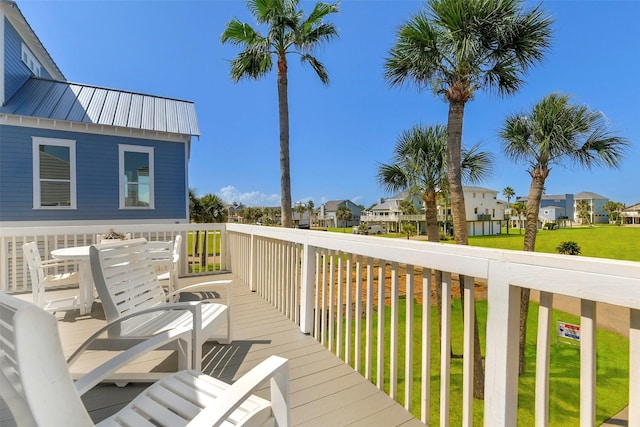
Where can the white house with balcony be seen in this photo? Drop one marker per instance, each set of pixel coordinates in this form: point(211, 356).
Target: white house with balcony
point(485, 213)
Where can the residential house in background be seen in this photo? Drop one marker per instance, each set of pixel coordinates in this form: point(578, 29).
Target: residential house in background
point(386, 212)
point(485, 213)
point(631, 214)
point(554, 208)
point(327, 214)
point(77, 153)
point(596, 207)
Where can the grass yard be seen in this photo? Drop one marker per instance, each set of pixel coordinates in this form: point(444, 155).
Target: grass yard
point(564, 388)
point(603, 241)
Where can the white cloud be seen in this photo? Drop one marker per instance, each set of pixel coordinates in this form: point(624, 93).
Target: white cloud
point(231, 194)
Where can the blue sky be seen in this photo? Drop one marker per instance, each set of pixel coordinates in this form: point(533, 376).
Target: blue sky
point(339, 133)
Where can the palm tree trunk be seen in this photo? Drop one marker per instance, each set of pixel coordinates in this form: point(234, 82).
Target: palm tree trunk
point(454, 173)
point(285, 171)
point(538, 176)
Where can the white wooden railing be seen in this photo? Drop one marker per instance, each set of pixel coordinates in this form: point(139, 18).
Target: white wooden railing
point(335, 286)
point(196, 258)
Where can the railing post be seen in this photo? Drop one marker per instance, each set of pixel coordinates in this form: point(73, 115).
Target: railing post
point(306, 292)
point(501, 376)
point(253, 263)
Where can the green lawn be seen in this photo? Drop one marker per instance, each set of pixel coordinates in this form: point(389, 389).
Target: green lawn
point(603, 241)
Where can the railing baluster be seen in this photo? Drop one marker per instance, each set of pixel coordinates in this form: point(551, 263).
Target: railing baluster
point(339, 329)
point(425, 386)
point(409, 322)
point(348, 310)
point(369, 322)
point(468, 351)
point(358, 315)
point(445, 349)
point(393, 339)
point(381, 309)
point(587, 363)
point(542, 359)
point(634, 368)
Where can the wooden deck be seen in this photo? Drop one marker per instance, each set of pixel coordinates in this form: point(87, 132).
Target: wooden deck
point(324, 390)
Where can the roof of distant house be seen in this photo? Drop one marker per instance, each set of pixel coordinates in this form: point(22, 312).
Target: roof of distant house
point(76, 102)
point(589, 196)
point(332, 205)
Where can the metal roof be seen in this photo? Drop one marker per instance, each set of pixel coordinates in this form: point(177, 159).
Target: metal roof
point(75, 102)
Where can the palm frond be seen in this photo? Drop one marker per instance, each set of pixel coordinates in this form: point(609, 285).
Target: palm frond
point(317, 66)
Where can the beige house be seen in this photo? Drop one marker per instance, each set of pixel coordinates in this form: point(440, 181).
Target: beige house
point(631, 214)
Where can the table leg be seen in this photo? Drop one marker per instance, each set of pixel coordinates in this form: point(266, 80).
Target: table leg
point(86, 287)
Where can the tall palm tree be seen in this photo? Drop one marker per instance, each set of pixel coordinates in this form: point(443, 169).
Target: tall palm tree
point(508, 192)
point(458, 47)
point(555, 132)
point(420, 166)
point(288, 31)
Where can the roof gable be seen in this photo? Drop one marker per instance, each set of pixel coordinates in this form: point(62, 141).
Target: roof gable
point(19, 22)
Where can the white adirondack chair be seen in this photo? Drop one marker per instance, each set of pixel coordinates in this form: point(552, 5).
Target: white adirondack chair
point(47, 275)
point(36, 384)
point(130, 292)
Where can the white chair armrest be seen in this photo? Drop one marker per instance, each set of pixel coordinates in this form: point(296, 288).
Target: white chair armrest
point(204, 286)
point(275, 368)
point(192, 306)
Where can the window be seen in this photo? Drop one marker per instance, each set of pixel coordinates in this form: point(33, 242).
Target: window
point(30, 61)
point(54, 173)
point(136, 177)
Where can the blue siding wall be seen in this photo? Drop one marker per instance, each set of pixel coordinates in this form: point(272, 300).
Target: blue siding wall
point(96, 174)
point(15, 71)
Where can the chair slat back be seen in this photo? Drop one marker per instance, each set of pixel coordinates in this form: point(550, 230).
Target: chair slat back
point(34, 379)
point(34, 262)
point(126, 280)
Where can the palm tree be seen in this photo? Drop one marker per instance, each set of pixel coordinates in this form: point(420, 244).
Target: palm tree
point(287, 32)
point(458, 47)
point(555, 132)
point(420, 165)
point(343, 214)
point(508, 192)
point(213, 208)
point(614, 210)
point(310, 208)
point(583, 209)
point(519, 209)
point(300, 210)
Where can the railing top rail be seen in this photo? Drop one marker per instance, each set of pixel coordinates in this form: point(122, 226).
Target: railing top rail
point(88, 229)
point(605, 280)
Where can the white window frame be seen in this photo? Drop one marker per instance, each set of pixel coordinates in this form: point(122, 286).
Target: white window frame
point(122, 149)
point(71, 144)
point(30, 60)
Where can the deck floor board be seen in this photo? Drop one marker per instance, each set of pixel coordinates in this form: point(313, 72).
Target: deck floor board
point(324, 390)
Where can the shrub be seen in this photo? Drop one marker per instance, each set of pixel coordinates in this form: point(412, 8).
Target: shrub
point(568, 248)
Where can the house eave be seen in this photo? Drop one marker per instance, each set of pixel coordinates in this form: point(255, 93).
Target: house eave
point(98, 129)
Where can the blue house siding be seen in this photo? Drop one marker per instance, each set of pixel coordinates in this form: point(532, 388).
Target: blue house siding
point(96, 178)
point(16, 73)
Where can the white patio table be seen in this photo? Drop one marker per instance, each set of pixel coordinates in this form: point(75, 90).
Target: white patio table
point(80, 254)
